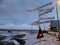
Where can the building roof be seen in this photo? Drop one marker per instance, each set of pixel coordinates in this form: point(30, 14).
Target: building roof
point(54, 23)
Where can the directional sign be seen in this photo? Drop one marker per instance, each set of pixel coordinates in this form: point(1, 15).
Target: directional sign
point(37, 22)
point(39, 8)
point(29, 10)
point(42, 6)
point(45, 22)
point(47, 11)
point(47, 18)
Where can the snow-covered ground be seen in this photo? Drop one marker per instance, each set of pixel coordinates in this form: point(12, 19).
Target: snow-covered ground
point(47, 40)
point(31, 39)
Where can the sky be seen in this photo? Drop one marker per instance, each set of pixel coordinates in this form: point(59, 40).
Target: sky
point(13, 13)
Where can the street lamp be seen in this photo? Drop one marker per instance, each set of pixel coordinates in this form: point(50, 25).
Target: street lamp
point(58, 3)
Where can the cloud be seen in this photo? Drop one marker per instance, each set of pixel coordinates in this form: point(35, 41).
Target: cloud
point(10, 7)
point(22, 26)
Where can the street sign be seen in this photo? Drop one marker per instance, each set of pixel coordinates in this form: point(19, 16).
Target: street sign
point(37, 22)
point(45, 22)
point(47, 11)
point(47, 18)
point(29, 10)
point(40, 34)
point(40, 9)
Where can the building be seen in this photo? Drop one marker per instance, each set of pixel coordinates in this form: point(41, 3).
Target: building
point(54, 24)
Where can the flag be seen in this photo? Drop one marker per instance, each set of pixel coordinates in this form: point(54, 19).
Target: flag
point(40, 34)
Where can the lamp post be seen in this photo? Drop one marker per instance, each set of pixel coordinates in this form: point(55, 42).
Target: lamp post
point(57, 3)
point(57, 16)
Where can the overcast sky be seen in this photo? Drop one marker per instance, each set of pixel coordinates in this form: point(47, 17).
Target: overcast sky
point(13, 12)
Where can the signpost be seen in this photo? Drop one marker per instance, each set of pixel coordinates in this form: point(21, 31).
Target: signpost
point(37, 22)
point(47, 11)
point(47, 18)
point(40, 9)
point(45, 22)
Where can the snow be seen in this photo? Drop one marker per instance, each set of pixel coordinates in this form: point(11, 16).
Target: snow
point(47, 40)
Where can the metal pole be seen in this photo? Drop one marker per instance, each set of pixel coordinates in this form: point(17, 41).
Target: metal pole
point(57, 21)
point(39, 19)
point(39, 23)
point(44, 26)
point(57, 16)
